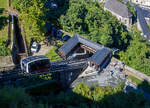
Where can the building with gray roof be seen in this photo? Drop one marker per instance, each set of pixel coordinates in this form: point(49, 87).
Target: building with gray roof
point(145, 3)
point(119, 10)
point(141, 22)
point(99, 53)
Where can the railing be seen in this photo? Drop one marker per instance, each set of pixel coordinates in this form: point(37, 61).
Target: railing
point(9, 68)
point(14, 74)
point(68, 61)
point(134, 72)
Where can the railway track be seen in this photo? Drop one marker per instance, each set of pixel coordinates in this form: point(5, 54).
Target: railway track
point(13, 73)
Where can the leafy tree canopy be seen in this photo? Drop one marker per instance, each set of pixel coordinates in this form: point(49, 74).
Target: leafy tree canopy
point(90, 20)
point(32, 16)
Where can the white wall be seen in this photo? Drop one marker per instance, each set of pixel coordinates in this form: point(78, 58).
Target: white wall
point(126, 21)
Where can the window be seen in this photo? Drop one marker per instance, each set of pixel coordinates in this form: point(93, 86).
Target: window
point(119, 19)
point(39, 65)
point(125, 21)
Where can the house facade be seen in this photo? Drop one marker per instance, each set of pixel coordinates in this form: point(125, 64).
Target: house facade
point(120, 11)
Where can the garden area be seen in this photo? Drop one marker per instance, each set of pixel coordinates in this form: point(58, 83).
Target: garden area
point(4, 4)
point(134, 79)
point(52, 54)
point(143, 85)
point(4, 47)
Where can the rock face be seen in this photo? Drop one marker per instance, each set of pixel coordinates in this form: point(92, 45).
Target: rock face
point(6, 61)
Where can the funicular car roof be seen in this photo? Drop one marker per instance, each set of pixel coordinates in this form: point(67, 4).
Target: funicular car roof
point(33, 58)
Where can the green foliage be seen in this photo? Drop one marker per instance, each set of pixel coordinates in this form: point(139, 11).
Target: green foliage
point(3, 21)
point(120, 1)
point(134, 79)
point(32, 16)
point(96, 97)
point(4, 4)
point(81, 97)
point(145, 86)
point(54, 14)
point(91, 21)
point(46, 76)
point(149, 27)
point(52, 55)
point(4, 51)
point(13, 97)
point(137, 54)
point(132, 10)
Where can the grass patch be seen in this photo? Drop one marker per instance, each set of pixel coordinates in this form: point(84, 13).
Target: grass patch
point(4, 51)
point(143, 85)
point(134, 79)
point(4, 33)
point(148, 27)
point(3, 27)
point(4, 4)
point(52, 55)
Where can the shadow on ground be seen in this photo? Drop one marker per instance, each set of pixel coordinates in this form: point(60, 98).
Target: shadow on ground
point(53, 95)
point(71, 99)
point(54, 14)
point(1, 10)
point(83, 97)
point(145, 86)
point(3, 19)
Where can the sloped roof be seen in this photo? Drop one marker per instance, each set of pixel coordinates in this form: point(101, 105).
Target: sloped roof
point(98, 57)
point(142, 22)
point(33, 58)
point(118, 8)
point(71, 43)
point(146, 13)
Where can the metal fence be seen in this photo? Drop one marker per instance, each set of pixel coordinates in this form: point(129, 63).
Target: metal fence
point(134, 72)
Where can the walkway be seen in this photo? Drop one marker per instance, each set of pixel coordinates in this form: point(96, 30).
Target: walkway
point(43, 50)
point(111, 75)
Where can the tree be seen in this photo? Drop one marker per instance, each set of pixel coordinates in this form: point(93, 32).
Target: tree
point(137, 54)
point(32, 17)
point(13, 97)
point(92, 22)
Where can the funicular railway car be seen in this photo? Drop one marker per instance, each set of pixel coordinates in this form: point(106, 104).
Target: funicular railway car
point(33, 64)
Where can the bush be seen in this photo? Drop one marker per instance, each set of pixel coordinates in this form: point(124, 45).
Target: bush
point(4, 51)
point(11, 97)
point(52, 55)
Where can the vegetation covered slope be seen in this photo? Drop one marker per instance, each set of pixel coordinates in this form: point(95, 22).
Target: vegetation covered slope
point(90, 20)
point(137, 54)
point(80, 97)
point(32, 17)
point(4, 50)
point(4, 4)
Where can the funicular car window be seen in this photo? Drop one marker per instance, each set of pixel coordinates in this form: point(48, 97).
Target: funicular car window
point(44, 63)
point(39, 65)
point(33, 66)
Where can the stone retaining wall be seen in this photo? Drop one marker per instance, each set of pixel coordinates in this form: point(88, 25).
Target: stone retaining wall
point(134, 72)
point(6, 61)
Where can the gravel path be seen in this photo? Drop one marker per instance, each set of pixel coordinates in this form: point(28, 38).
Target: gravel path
point(43, 50)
